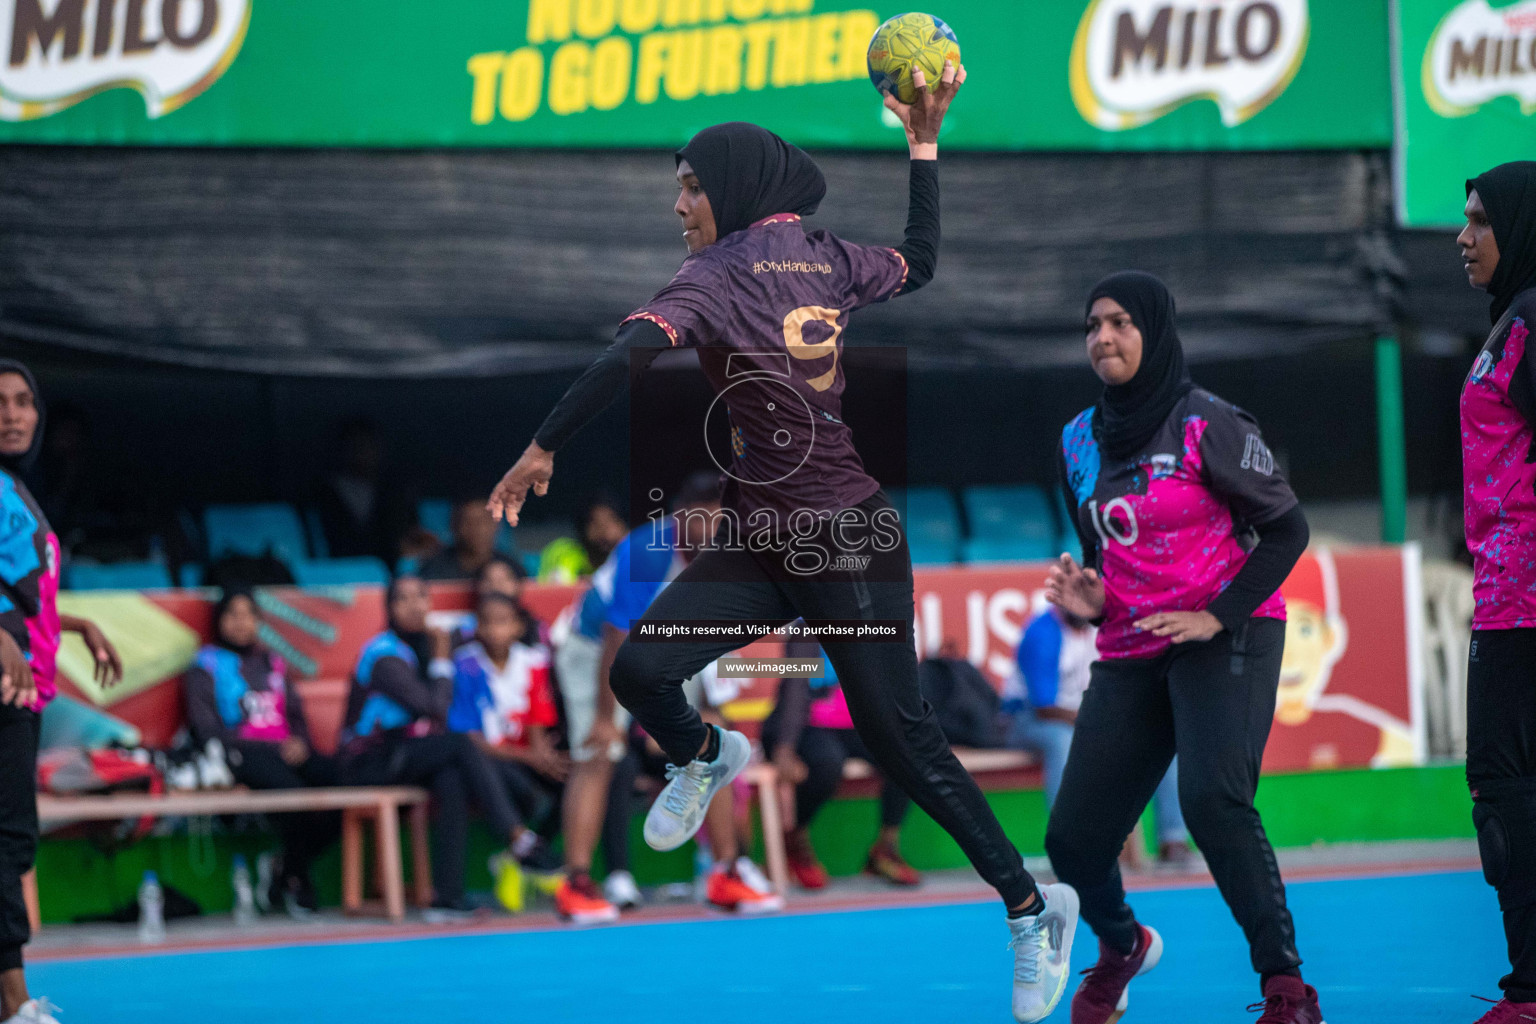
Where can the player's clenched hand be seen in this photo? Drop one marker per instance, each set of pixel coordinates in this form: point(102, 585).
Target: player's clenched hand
point(533, 469)
point(1182, 627)
point(1075, 590)
point(17, 687)
point(922, 117)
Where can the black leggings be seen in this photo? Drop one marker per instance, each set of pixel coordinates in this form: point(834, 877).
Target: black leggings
point(449, 765)
point(305, 834)
point(1211, 703)
point(824, 751)
point(18, 826)
point(1501, 771)
point(879, 679)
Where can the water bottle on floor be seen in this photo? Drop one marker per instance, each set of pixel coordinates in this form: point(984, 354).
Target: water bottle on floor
point(151, 909)
point(245, 896)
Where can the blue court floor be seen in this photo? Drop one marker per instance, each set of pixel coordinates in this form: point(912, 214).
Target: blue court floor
point(1399, 950)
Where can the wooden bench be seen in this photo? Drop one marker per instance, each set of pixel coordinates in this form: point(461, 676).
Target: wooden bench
point(994, 769)
point(381, 804)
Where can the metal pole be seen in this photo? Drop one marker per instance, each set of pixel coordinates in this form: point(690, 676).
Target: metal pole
point(1390, 441)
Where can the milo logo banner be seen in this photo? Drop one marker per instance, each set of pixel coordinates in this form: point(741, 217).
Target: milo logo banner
point(1466, 92)
point(1063, 75)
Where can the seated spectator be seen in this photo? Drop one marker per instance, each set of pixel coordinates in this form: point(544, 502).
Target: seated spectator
point(599, 528)
point(808, 736)
point(238, 692)
point(396, 735)
point(502, 576)
point(361, 513)
point(474, 544)
point(503, 702)
point(1042, 699)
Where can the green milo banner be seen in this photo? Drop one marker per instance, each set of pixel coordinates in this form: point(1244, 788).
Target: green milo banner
point(1045, 74)
point(1465, 77)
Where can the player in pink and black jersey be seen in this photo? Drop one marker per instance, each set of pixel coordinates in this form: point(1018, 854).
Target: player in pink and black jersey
point(766, 302)
point(1498, 441)
point(1188, 529)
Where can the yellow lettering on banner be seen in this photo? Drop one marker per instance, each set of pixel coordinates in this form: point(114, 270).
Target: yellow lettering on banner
point(746, 10)
point(638, 17)
point(549, 20)
point(858, 28)
point(568, 78)
point(826, 47)
point(611, 61)
point(596, 18)
point(722, 73)
point(485, 68)
point(759, 35)
point(522, 83)
point(715, 10)
point(682, 12)
point(790, 6)
point(685, 64)
point(791, 48)
point(653, 55)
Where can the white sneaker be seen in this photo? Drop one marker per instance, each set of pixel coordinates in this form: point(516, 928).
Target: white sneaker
point(620, 890)
point(1042, 954)
point(679, 810)
point(34, 1011)
point(753, 875)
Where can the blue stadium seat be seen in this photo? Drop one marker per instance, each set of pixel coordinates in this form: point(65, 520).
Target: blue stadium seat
point(1021, 514)
point(932, 523)
point(255, 530)
point(340, 572)
point(119, 576)
point(1009, 550)
point(436, 517)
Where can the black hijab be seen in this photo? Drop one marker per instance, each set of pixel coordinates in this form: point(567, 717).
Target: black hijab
point(419, 643)
point(1129, 414)
point(749, 173)
point(23, 462)
point(230, 595)
point(1508, 193)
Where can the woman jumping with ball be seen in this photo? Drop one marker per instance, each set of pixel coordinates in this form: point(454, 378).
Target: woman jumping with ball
point(1171, 486)
point(753, 287)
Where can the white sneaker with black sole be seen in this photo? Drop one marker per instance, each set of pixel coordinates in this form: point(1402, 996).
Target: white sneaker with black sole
point(679, 811)
point(1042, 954)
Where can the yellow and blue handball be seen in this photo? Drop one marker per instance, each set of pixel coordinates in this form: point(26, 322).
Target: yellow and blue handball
point(906, 42)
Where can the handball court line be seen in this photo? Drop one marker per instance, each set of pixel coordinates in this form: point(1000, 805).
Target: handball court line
point(231, 940)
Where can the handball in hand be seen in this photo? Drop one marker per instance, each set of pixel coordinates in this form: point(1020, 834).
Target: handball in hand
point(908, 42)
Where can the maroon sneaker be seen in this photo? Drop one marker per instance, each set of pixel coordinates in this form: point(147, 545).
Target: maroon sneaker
point(1102, 997)
point(1288, 1000)
point(1506, 1012)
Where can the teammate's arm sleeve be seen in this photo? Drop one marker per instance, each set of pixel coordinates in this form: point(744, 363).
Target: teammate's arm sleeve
point(298, 722)
point(1239, 467)
point(203, 718)
point(395, 679)
point(1281, 544)
point(637, 341)
point(1040, 661)
point(920, 248)
point(1522, 383)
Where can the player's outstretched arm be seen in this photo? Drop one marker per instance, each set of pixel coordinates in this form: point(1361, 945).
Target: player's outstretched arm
point(922, 120)
point(593, 392)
